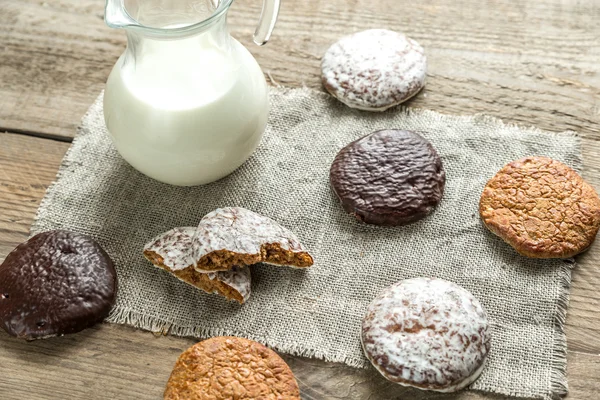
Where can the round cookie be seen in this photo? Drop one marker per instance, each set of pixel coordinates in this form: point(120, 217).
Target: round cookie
point(228, 367)
point(427, 333)
point(58, 282)
point(390, 177)
point(374, 70)
point(542, 208)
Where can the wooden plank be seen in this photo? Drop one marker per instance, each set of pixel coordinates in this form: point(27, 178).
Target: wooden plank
point(27, 166)
point(118, 362)
point(534, 62)
point(123, 363)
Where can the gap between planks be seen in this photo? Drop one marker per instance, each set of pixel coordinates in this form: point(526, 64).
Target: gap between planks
point(41, 135)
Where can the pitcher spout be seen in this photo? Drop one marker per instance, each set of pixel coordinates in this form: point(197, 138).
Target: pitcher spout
point(116, 16)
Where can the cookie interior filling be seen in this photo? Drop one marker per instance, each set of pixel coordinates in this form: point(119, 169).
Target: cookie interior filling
point(197, 279)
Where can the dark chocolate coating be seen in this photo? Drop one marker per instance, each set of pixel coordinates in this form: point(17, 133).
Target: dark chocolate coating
point(58, 282)
point(390, 177)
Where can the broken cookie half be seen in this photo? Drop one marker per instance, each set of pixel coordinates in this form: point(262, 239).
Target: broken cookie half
point(172, 251)
point(236, 236)
point(215, 255)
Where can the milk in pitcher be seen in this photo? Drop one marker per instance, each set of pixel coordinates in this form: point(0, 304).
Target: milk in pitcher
point(189, 110)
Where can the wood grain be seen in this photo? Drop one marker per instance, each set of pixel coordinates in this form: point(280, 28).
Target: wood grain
point(534, 62)
point(118, 362)
point(27, 166)
point(530, 62)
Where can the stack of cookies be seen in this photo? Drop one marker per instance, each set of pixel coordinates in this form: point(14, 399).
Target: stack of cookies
point(215, 256)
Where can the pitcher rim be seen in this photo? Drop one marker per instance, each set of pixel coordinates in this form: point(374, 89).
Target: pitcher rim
point(201, 25)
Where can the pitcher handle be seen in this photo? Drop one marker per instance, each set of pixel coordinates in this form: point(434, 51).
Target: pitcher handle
point(268, 17)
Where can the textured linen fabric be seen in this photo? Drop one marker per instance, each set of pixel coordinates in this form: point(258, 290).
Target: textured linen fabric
point(317, 312)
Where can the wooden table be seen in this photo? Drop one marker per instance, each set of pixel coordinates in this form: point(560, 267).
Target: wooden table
point(525, 61)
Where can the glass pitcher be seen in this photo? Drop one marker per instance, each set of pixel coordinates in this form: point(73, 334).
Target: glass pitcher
point(185, 104)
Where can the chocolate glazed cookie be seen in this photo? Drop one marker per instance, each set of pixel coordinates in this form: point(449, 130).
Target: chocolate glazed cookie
point(56, 283)
point(390, 177)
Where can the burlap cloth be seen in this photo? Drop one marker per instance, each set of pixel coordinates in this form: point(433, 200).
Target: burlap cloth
point(317, 312)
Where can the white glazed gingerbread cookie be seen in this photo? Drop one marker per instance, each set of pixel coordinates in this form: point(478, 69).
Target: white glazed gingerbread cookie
point(232, 236)
point(374, 70)
point(215, 255)
point(427, 333)
point(172, 251)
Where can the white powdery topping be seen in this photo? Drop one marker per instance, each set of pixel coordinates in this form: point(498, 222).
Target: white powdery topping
point(175, 247)
point(425, 332)
point(238, 279)
point(374, 69)
point(241, 231)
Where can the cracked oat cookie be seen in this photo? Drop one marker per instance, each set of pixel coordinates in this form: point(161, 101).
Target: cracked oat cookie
point(542, 208)
point(172, 251)
point(235, 236)
point(228, 367)
point(374, 70)
point(390, 177)
point(427, 333)
point(56, 283)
